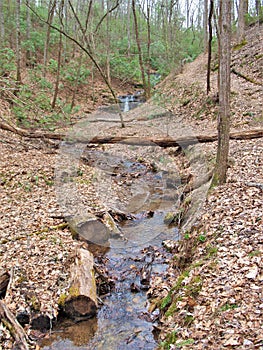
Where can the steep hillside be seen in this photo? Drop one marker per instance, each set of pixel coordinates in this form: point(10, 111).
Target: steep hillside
point(185, 93)
point(212, 294)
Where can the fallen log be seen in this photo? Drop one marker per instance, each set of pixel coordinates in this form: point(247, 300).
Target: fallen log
point(89, 228)
point(182, 141)
point(247, 78)
point(80, 301)
point(10, 322)
point(31, 134)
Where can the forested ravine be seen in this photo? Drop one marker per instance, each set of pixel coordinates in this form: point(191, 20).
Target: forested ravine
point(143, 195)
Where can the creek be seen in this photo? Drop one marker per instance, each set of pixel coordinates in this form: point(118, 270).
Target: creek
point(123, 320)
point(131, 260)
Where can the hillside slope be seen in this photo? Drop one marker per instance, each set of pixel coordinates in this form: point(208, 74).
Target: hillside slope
point(212, 294)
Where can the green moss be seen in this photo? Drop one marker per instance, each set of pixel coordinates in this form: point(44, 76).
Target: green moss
point(170, 339)
point(185, 343)
point(211, 251)
point(188, 319)
point(194, 287)
point(197, 264)
point(227, 307)
point(166, 300)
point(73, 291)
point(255, 253)
point(169, 218)
point(179, 281)
point(172, 309)
point(62, 299)
point(240, 45)
point(34, 303)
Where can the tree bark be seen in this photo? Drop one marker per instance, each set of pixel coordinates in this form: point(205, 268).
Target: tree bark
point(205, 25)
point(81, 301)
point(211, 10)
point(51, 11)
point(18, 45)
point(144, 82)
point(53, 104)
point(28, 36)
point(242, 13)
point(224, 92)
point(2, 25)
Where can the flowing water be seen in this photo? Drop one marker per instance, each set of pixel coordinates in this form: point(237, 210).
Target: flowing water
point(128, 102)
point(123, 321)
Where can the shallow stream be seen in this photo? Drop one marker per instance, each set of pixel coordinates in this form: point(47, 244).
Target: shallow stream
point(131, 261)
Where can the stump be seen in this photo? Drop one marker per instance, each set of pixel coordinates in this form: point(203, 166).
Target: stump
point(80, 301)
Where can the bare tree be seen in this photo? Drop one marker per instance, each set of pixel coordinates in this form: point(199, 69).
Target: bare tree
point(242, 13)
point(2, 24)
point(53, 104)
point(144, 81)
point(28, 36)
point(51, 11)
point(211, 11)
point(18, 44)
point(205, 25)
point(224, 91)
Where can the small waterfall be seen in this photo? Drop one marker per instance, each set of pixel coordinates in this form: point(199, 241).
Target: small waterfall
point(128, 102)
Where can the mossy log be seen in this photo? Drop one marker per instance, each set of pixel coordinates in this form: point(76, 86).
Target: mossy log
point(17, 332)
point(80, 301)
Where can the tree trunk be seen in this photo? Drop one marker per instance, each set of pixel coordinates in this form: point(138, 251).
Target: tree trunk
point(242, 13)
point(2, 25)
point(28, 36)
point(128, 27)
point(144, 82)
point(205, 25)
point(81, 300)
point(51, 11)
point(211, 11)
point(224, 92)
point(53, 104)
point(257, 5)
point(18, 45)
point(148, 19)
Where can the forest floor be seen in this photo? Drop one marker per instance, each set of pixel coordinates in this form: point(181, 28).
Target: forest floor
point(211, 295)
